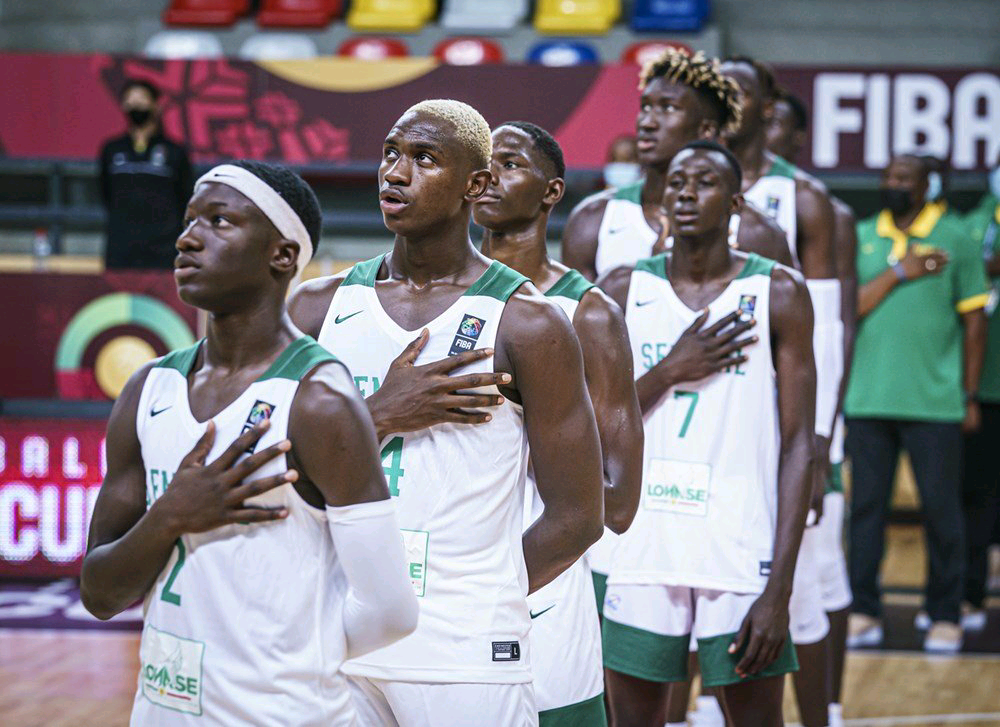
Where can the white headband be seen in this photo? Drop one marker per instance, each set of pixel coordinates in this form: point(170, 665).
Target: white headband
point(268, 201)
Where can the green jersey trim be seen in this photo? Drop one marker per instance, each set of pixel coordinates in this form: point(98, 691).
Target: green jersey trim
point(498, 282)
point(364, 273)
point(631, 193)
point(588, 713)
point(756, 265)
point(643, 654)
point(781, 168)
point(300, 357)
point(656, 265)
point(182, 359)
point(572, 285)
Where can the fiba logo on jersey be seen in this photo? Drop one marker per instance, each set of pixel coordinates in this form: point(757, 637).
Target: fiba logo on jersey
point(260, 411)
point(466, 335)
point(748, 303)
point(772, 207)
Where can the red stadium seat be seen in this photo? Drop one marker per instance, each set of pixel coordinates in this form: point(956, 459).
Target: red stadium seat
point(643, 51)
point(373, 49)
point(204, 12)
point(298, 13)
point(468, 51)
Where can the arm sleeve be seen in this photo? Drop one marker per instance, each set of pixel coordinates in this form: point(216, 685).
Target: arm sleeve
point(972, 289)
point(380, 606)
point(828, 348)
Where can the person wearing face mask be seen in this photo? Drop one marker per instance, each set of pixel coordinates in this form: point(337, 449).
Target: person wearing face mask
point(145, 183)
point(981, 479)
point(914, 382)
point(622, 168)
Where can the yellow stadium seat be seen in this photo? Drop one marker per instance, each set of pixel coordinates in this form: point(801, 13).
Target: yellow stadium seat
point(390, 15)
point(570, 17)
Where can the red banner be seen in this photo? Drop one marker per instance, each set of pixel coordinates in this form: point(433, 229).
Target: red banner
point(50, 473)
point(331, 110)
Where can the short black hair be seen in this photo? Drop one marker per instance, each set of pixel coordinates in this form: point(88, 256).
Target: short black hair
point(707, 145)
point(800, 114)
point(768, 86)
point(293, 189)
point(148, 86)
point(544, 142)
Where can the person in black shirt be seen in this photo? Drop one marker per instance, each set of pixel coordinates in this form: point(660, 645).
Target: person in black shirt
point(145, 183)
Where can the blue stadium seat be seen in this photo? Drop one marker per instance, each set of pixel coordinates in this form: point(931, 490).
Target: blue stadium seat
point(562, 53)
point(669, 15)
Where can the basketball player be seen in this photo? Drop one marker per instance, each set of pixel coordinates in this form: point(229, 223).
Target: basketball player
point(726, 480)
point(244, 498)
point(459, 488)
point(528, 170)
point(683, 98)
point(786, 136)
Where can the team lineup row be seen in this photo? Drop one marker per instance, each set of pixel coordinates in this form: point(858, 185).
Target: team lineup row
point(678, 418)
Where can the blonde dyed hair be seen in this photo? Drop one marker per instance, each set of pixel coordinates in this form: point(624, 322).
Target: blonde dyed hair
point(701, 73)
point(471, 128)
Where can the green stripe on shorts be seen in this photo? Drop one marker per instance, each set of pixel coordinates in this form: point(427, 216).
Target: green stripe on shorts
point(718, 666)
point(836, 483)
point(643, 654)
point(588, 713)
point(600, 588)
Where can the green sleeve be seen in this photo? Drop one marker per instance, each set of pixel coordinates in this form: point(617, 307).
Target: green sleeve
point(972, 289)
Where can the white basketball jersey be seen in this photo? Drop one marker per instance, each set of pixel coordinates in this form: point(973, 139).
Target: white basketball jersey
point(624, 237)
point(243, 624)
point(458, 488)
point(565, 629)
point(774, 194)
point(710, 467)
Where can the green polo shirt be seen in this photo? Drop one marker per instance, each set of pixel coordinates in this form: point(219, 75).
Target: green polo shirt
point(908, 353)
point(984, 229)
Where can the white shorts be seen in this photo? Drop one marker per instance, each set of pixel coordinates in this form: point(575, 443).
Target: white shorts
point(382, 703)
point(566, 640)
point(806, 613)
point(835, 584)
point(648, 628)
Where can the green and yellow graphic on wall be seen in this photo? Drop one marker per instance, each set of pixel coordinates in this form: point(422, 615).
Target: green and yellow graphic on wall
point(110, 338)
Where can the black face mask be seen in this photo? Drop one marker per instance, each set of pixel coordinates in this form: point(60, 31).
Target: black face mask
point(138, 117)
point(897, 201)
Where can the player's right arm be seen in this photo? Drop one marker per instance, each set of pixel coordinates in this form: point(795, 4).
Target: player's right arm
point(579, 240)
point(129, 545)
point(760, 234)
point(698, 353)
point(335, 446)
point(411, 397)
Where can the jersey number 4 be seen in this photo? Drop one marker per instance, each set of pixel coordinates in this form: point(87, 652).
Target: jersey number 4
point(393, 451)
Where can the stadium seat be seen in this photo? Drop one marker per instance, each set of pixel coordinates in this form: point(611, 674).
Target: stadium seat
point(177, 44)
point(298, 13)
point(390, 15)
point(373, 49)
point(277, 47)
point(639, 53)
point(669, 15)
point(204, 12)
point(562, 53)
point(468, 51)
point(571, 17)
point(484, 15)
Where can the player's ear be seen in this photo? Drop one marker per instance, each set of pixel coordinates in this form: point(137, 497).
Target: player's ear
point(736, 204)
point(285, 256)
point(768, 108)
point(478, 183)
point(708, 129)
point(554, 191)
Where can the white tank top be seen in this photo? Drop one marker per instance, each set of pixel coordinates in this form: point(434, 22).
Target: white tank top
point(710, 467)
point(458, 488)
point(624, 237)
point(243, 624)
point(774, 194)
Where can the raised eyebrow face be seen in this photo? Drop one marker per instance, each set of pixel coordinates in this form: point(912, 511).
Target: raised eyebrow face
point(416, 138)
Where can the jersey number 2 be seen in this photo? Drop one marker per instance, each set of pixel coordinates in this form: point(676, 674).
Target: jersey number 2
point(693, 396)
point(394, 470)
point(166, 594)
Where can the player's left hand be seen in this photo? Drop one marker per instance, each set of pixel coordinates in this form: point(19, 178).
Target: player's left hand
point(762, 634)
